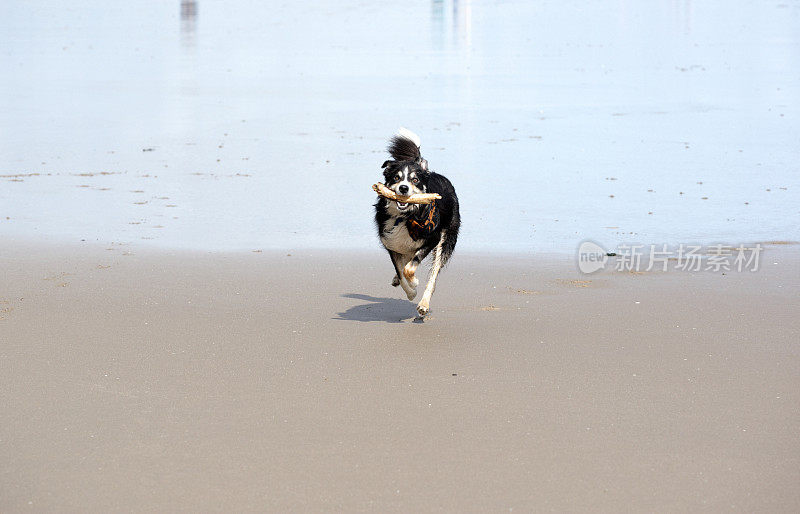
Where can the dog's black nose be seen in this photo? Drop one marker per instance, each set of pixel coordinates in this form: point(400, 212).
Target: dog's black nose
point(403, 189)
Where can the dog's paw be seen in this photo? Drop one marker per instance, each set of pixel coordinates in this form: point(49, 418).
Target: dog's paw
point(395, 281)
point(411, 293)
point(423, 308)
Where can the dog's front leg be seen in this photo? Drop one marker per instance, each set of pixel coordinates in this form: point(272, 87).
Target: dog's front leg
point(400, 261)
point(424, 304)
point(410, 270)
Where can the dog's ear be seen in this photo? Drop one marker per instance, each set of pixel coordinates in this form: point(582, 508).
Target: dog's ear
point(388, 170)
point(423, 164)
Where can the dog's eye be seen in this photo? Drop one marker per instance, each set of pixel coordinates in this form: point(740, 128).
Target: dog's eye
point(415, 180)
point(397, 177)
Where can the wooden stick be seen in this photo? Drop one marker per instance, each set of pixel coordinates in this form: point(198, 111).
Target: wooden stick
point(422, 198)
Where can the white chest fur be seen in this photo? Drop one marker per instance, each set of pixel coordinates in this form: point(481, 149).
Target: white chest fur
point(395, 237)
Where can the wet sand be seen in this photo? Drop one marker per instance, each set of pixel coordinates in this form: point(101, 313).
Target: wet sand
point(146, 381)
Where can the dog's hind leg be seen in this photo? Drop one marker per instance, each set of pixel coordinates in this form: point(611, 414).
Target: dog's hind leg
point(397, 275)
point(424, 304)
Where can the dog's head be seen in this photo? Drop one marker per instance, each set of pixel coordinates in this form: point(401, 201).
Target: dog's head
point(405, 178)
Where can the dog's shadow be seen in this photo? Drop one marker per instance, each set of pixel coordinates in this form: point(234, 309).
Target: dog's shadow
point(389, 310)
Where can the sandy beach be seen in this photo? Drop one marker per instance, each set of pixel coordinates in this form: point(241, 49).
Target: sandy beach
point(176, 381)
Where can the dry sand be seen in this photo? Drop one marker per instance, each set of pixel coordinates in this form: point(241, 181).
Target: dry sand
point(140, 381)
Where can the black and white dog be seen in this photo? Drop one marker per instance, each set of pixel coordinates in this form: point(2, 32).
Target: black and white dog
point(411, 231)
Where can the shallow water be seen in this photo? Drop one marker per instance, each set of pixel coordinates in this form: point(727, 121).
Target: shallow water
point(246, 126)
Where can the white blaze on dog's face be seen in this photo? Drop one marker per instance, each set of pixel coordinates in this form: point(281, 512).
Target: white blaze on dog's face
point(405, 181)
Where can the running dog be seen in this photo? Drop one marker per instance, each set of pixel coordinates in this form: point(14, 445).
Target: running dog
point(408, 231)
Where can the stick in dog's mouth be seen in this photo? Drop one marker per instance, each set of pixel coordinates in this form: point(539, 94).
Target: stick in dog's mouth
point(403, 201)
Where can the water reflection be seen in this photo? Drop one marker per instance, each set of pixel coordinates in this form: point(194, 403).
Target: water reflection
point(188, 23)
point(437, 24)
point(462, 22)
point(451, 20)
point(683, 10)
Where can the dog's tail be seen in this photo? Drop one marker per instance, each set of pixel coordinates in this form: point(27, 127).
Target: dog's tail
point(404, 146)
